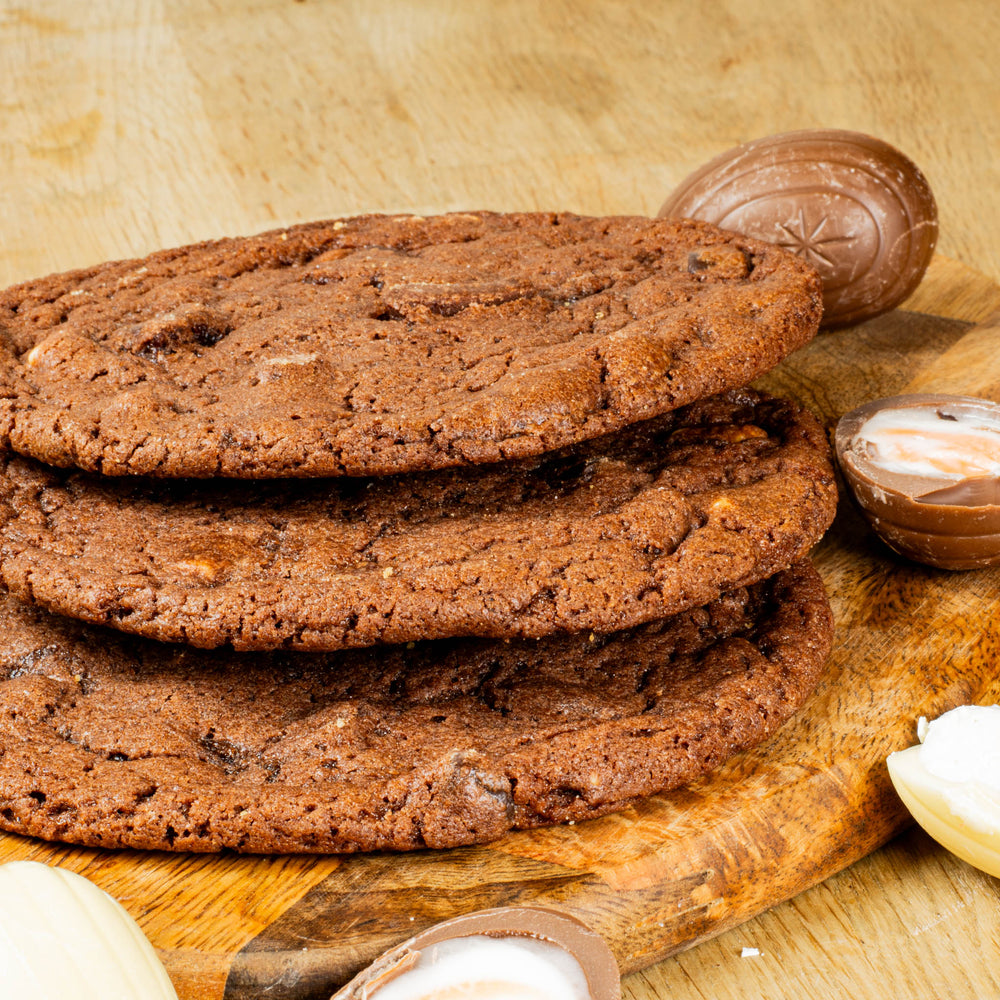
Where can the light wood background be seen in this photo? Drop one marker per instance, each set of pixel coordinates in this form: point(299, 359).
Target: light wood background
point(125, 126)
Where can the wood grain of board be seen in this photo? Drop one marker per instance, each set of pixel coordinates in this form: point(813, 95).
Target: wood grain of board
point(126, 125)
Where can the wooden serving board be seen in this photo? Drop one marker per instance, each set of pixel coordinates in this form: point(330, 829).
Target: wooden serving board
point(678, 868)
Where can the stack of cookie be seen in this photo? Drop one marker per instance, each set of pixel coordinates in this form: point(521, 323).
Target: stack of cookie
point(394, 532)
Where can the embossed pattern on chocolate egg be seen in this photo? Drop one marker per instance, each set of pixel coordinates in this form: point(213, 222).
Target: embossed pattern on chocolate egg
point(851, 205)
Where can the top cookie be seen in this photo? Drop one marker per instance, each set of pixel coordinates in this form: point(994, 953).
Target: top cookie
point(385, 344)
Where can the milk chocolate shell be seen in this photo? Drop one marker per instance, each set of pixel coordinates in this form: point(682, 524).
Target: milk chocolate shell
point(851, 205)
point(947, 524)
point(567, 934)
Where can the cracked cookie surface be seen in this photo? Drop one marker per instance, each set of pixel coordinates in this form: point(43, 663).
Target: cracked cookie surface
point(114, 741)
point(602, 535)
point(383, 344)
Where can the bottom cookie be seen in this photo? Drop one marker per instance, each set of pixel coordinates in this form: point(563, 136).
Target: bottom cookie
point(113, 741)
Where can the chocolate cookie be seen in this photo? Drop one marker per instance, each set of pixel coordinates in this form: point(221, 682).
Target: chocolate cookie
point(602, 535)
point(384, 344)
point(115, 741)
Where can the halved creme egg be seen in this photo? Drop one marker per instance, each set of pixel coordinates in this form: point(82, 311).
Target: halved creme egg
point(950, 782)
point(925, 471)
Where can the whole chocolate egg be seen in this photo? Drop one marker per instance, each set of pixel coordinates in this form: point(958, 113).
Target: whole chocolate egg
point(851, 205)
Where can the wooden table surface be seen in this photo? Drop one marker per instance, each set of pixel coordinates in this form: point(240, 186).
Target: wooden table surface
point(130, 125)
